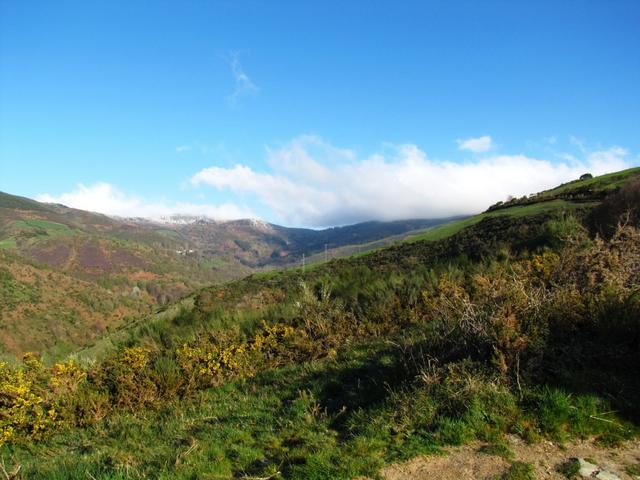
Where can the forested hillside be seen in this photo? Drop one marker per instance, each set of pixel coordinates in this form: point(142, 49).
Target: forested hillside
point(69, 276)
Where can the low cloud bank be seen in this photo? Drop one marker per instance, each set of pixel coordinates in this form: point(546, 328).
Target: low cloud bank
point(313, 183)
point(309, 182)
point(105, 198)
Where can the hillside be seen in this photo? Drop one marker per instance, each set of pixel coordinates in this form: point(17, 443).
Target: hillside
point(521, 324)
point(88, 272)
point(49, 312)
point(515, 227)
point(85, 273)
point(579, 194)
point(258, 245)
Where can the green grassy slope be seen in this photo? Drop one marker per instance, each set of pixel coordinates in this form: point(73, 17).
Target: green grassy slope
point(579, 194)
point(443, 231)
point(519, 228)
point(22, 203)
point(598, 185)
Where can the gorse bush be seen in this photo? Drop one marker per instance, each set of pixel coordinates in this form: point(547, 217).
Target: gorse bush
point(35, 400)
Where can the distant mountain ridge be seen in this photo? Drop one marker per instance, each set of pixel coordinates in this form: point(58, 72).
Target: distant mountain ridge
point(257, 243)
point(116, 269)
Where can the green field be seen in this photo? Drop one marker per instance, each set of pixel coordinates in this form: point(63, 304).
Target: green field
point(9, 242)
point(42, 228)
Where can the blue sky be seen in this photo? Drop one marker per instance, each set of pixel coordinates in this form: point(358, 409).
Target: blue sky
point(312, 113)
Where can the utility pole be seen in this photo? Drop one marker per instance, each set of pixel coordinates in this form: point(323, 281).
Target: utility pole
point(326, 254)
point(303, 263)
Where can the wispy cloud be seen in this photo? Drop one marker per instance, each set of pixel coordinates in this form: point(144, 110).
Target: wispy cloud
point(103, 197)
point(183, 148)
point(577, 142)
point(476, 145)
point(314, 183)
point(243, 84)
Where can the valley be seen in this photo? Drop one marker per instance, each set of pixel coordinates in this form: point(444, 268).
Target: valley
point(516, 325)
point(114, 270)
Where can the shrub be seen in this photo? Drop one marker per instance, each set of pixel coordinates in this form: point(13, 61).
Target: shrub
point(26, 410)
point(126, 378)
point(519, 471)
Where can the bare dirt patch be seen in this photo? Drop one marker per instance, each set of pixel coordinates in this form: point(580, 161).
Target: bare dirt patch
point(470, 463)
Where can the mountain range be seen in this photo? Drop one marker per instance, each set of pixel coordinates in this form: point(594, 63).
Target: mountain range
point(74, 274)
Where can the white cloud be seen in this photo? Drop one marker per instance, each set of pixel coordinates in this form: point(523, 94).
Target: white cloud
point(316, 184)
point(183, 148)
point(578, 143)
point(243, 84)
point(104, 198)
point(476, 145)
point(309, 182)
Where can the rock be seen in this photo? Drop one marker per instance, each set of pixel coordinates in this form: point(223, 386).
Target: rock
point(514, 439)
point(603, 475)
point(587, 470)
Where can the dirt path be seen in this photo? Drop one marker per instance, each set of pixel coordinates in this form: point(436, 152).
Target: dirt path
point(469, 463)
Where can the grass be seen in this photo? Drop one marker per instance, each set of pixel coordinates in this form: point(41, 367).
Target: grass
point(570, 469)
point(498, 449)
point(35, 230)
point(544, 202)
point(13, 291)
point(274, 423)
point(519, 471)
point(20, 203)
point(150, 326)
point(213, 263)
point(42, 228)
point(326, 419)
point(9, 242)
point(382, 376)
point(449, 229)
point(633, 469)
point(166, 232)
point(609, 181)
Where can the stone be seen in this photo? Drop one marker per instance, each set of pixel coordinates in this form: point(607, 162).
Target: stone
point(587, 470)
point(604, 475)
